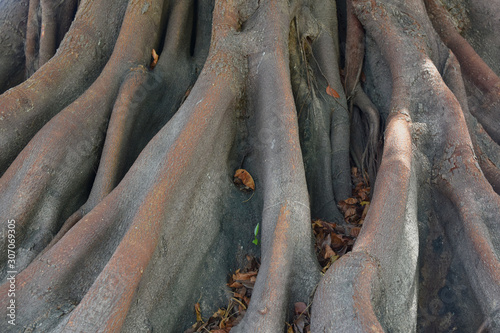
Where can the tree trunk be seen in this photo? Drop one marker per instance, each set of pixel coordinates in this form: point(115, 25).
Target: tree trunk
point(127, 120)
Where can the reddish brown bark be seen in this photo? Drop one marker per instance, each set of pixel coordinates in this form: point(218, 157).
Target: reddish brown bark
point(473, 67)
point(77, 131)
point(119, 174)
point(32, 38)
point(27, 107)
point(389, 220)
point(47, 32)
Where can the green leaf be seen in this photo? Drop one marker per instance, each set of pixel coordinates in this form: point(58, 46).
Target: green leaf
point(256, 232)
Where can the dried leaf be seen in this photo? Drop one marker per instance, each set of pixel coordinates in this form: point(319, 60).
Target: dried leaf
point(235, 285)
point(249, 284)
point(155, 59)
point(299, 324)
point(242, 291)
point(326, 240)
point(343, 206)
point(243, 180)
point(300, 307)
point(337, 241)
point(351, 201)
point(220, 313)
point(197, 308)
point(332, 92)
point(332, 260)
point(328, 252)
point(350, 212)
point(355, 231)
point(243, 276)
point(317, 224)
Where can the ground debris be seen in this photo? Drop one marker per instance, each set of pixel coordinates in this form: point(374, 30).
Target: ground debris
point(301, 319)
point(241, 284)
point(334, 240)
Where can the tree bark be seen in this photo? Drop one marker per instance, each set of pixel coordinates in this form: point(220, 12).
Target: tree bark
point(126, 121)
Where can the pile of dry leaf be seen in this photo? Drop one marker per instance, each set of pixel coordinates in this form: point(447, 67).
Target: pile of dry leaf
point(241, 284)
point(334, 240)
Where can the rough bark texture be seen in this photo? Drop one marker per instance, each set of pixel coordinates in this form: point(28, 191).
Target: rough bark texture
point(117, 168)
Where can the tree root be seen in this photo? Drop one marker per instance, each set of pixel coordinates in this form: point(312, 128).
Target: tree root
point(371, 151)
point(161, 210)
point(392, 220)
point(326, 55)
point(315, 117)
point(288, 272)
point(480, 139)
point(48, 32)
point(139, 219)
point(368, 160)
point(126, 118)
point(32, 38)
point(13, 31)
point(41, 173)
point(28, 106)
point(43, 37)
point(475, 239)
point(473, 67)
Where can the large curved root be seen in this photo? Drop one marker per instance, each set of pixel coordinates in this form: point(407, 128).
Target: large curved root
point(26, 108)
point(390, 229)
point(368, 159)
point(132, 169)
point(13, 24)
point(41, 174)
point(119, 259)
point(288, 272)
point(473, 67)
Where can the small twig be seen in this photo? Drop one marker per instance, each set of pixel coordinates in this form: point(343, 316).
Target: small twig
point(247, 200)
point(239, 302)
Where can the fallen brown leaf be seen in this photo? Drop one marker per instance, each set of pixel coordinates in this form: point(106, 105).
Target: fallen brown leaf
point(350, 212)
point(243, 180)
point(155, 59)
point(235, 285)
point(351, 201)
point(355, 231)
point(197, 308)
point(332, 92)
point(300, 307)
point(238, 276)
point(328, 252)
